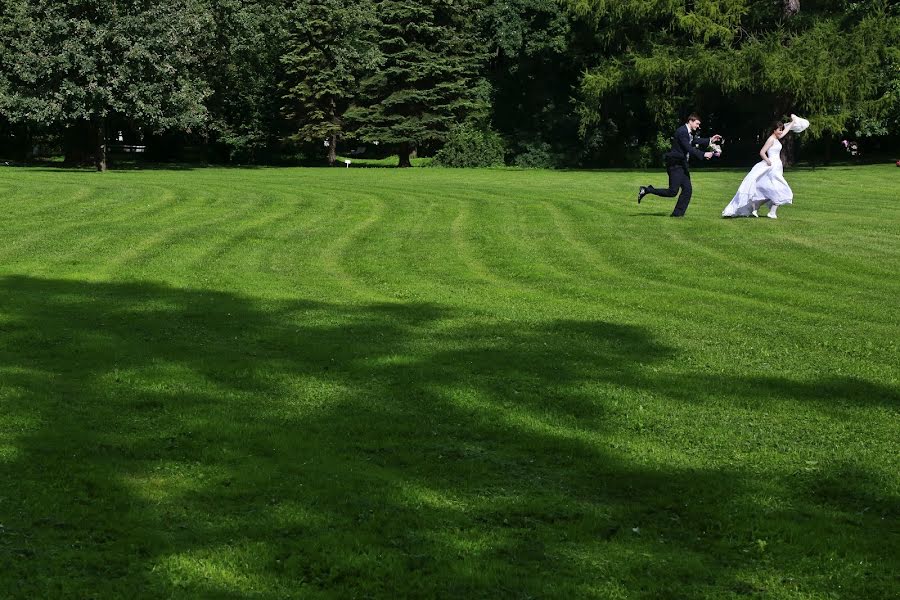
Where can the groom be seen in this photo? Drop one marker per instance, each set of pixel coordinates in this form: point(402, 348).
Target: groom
point(684, 144)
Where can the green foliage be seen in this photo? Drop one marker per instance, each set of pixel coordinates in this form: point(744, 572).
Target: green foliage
point(824, 63)
point(80, 60)
point(243, 72)
point(644, 155)
point(883, 119)
point(538, 155)
point(527, 28)
point(564, 82)
point(537, 61)
point(430, 78)
point(331, 46)
point(470, 146)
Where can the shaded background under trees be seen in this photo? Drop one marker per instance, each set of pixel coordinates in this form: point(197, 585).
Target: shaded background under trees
point(567, 83)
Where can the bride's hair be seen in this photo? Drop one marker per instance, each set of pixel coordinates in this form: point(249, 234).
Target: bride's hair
point(777, 126)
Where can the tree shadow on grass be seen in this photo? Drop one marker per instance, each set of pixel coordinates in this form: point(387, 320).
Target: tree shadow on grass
point(159, 441)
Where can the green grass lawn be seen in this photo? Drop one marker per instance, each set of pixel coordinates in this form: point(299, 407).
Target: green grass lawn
point(390, 161)
point(272, 383)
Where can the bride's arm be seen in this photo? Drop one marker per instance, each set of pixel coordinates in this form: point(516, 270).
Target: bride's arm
point(765, 149)
point(785, 130)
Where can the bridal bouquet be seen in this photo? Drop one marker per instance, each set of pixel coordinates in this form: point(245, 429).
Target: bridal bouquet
point(716, 149)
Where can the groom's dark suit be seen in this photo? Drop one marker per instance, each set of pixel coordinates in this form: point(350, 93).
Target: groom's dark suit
point(677, 159)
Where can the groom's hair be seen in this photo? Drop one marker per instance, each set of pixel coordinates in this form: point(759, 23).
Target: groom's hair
point(693, 117)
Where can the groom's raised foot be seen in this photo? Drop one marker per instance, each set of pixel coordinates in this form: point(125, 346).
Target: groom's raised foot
point(642, 191)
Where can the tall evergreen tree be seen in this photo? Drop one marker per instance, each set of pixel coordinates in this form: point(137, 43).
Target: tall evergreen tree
point(80, 61)
point(431, 77)
point(331, 46)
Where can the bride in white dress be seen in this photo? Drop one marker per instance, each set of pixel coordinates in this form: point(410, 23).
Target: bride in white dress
point(765, 183)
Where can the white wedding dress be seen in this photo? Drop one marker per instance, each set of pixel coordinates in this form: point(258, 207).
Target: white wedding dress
point(763, 184)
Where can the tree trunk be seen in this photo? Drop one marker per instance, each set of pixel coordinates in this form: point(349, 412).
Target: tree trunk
point(100, 151)
point(332, 150)
point(332, 146)
point(791, 7)
point(404, 151)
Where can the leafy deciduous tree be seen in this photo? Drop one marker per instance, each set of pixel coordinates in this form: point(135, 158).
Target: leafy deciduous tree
point(739, 54)
point(535, 63)
point(243, 73)
point(80, 61)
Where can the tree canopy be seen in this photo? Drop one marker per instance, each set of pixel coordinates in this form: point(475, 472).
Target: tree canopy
point(330, 49)
point(559, 82)
point(81, 61)
point(429, 78)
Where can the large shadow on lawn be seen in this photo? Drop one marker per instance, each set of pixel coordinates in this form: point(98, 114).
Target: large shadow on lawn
point(191, 442)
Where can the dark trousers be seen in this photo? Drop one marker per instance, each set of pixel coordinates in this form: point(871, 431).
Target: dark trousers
point(679, 177)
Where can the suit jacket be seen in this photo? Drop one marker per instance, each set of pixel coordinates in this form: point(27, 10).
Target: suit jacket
point(684, 145)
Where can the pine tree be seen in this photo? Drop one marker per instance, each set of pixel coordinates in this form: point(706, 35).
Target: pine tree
point(331, 46)
point(77, 62)
point(430, 78)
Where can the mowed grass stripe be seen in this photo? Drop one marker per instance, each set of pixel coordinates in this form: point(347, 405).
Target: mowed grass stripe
point(439, 383)
point(343, 233)
point(186, 217)
point(45, 223)
point(408, 254)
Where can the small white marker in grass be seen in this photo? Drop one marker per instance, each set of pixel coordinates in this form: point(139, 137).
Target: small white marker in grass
point(347, 162)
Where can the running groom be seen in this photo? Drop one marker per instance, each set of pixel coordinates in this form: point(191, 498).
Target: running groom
point(684, 144)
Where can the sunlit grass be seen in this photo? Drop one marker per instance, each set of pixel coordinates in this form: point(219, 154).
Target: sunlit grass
point(439, 383)
point(390, 161)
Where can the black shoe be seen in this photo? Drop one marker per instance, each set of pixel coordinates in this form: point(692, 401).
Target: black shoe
point(641, 193)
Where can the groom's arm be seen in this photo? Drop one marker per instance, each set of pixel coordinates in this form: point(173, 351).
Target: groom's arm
point(683, 137)
point(702, 142)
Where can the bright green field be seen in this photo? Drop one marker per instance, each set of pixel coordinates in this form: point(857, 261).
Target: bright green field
point(353, 383)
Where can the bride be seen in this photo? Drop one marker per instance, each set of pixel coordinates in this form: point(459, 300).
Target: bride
point(765, 183)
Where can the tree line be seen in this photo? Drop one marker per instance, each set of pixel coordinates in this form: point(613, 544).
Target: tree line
point(548, 83)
